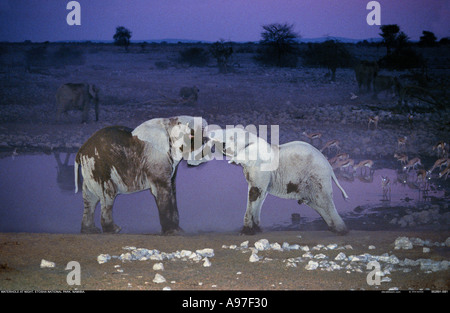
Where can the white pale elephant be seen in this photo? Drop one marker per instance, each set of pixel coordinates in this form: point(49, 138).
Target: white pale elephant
point(301, 172)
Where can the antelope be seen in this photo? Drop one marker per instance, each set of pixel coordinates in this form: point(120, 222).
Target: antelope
point(363, 164)
point(344, 164)
point(439, 163)
point(412, 163)
point(386, 186)
point(401, 141)
point(373, 120)
point(441, 145)
point(313, 136)
point(338, 157)
point(332, 143)
point(445, 172)
point(403, 158)
point(422, 175)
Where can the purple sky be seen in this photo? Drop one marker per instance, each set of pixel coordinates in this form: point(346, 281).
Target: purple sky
point(211, 20)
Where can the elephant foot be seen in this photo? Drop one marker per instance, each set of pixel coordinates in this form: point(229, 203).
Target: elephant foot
point(247, 230)
point(343, 230)
point(90, 230)
point(111, 229)
point(172, 231)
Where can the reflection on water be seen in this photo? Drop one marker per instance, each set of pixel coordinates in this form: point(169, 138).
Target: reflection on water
point(36, 194)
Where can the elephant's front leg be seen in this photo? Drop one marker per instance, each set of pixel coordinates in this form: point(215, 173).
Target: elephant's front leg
point(166, 201)
point(256, 197)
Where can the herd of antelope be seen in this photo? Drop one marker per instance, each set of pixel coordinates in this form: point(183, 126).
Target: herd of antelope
point(343, 162)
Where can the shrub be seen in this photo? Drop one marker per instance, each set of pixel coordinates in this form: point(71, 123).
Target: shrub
point(404, 58)
point(330, 54)
point(222, 53)
point(68, 56)
point(194, 56)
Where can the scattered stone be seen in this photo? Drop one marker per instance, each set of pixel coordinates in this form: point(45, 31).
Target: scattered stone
point(158, 267)
point(262, 244)
point(340, 257)
point(254, 258)
point(159, 279)
point(207, 252)
point(371, 247)
point(403, 243)
point(244, 244)
point(332, 246)
point(206, 262)
point(276, 246)
point(103, 258)
point(47, 264)
point(167, 288)
point(426, 250)
point(312, 265)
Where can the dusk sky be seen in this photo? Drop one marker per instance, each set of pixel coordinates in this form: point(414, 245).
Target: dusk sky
point(211, 20)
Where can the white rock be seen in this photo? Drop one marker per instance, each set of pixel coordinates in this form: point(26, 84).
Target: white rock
point(254, 258)
point(167, 288)
point(403, 243)
point(262, 244)
point(447, 242)
point(244, 244)
point(308, 255)
point(276, 246)
point(426, 250)
point(47, 264)
point(305, 248)
point(206, 262)
point(125, 257)
point(233, 247)
point(320, 256)
point(185, 253)
point(340, 257)
point(159, 279)
point(207, 252)
point(348, 247)
point(103, 258)
point(371, 247)
point(312, 265)
point(158, 267)
point(129, 248)
point(332, 246)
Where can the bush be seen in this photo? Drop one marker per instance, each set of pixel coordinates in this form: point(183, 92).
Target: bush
point(222, 53)
point(404, 58)
point(194, 56)
point(330, 54)
point(68, 56)
point(36, 56)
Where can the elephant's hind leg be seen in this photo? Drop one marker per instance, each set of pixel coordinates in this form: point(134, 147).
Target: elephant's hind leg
point(90, 201)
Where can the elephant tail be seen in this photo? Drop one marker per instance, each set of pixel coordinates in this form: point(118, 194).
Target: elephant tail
point(76, 176)
point(344, 194)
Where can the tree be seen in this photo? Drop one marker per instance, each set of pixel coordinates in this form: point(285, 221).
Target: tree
point(278, 45)
point(222, 53)
point(428, 39)
point(122, 37)
point(330, 54)
point(389, 33)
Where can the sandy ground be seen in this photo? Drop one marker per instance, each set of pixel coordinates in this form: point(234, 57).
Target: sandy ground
point(230, 269)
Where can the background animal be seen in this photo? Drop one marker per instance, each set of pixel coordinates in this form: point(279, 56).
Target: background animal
point(365, 72)
point(77, 97)
point(119, 160)
point(385, 83)
point(189, 93)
